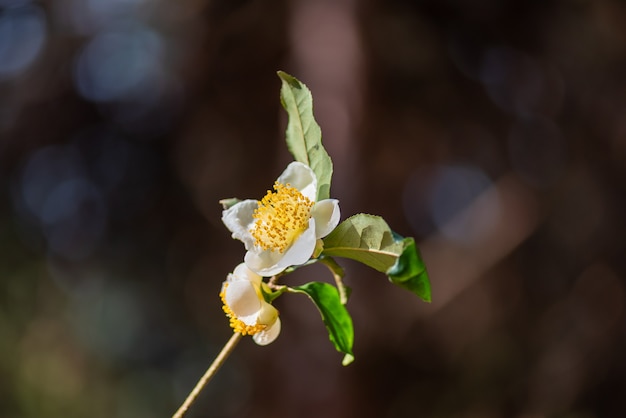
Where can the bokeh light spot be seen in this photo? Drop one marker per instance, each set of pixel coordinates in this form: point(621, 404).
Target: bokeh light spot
point(43, 170)
point(55, 194)
point(120, 64)
point(74, 217)
point(22, 36)
point(438, 200)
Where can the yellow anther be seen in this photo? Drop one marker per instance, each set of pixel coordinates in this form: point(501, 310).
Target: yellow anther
point(281, 217)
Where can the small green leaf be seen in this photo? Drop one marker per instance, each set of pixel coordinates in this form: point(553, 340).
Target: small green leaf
point(409, 271)
point(303, 135)
point(228, 203)
point(369, 240)
point(334, 315)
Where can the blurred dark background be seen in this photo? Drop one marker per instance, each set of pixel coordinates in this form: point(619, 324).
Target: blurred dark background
point(492, 131)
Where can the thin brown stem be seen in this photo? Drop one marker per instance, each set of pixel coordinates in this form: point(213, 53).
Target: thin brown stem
point(273, 282)
point(338, 273)
point(211, 371)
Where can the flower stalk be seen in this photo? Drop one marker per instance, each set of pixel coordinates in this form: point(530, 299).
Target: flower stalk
point(208, 375)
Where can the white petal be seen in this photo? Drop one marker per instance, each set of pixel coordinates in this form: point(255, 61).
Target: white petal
point(242, 272)
point(302, 248)
point(238, 219)
point(302, 178)
point(269, 335)
point(242, 298)
point(326, 214)
point(264, 263)
point(268, 263)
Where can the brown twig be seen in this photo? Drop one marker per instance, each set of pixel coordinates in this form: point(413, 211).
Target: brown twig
point(213, 368)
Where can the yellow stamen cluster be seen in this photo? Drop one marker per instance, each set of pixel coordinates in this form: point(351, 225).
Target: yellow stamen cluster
point(235, 323)
point(281, 217)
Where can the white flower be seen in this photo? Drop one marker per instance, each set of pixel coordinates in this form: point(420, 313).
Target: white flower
point(282, 229)
point(248, 311)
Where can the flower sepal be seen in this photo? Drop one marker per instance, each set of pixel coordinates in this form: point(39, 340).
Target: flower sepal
point(229, 202)
point(270, 295)
point(319, 247)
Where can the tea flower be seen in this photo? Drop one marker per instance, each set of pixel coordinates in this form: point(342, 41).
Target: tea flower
point(248, 311)
point(282, 229)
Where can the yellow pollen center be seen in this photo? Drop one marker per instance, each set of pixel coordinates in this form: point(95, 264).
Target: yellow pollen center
point(281, 217)
point(235, 323)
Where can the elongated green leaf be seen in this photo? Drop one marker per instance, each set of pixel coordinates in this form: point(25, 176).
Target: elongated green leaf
point(303, 135)
point(369, 240)
point(334, 315)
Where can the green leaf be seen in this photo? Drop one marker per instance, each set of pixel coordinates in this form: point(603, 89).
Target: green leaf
point(228, 203)
point(369, 240)
point(334, 315)
point(304, 136)
point(364, 238)
point(410, 272)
